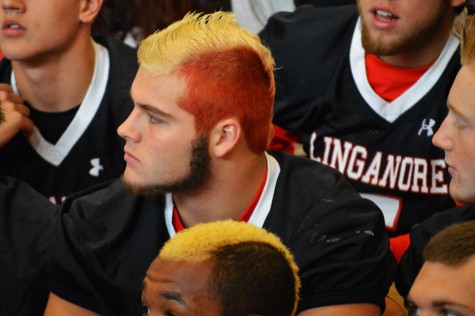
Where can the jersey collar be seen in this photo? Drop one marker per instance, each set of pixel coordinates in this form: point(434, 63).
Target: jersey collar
point(261, 210)
point(392, 110)
point(55, 154)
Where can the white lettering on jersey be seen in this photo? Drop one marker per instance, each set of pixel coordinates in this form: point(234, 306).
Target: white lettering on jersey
point(427, 126)
point(96, 167)
point(406, 174)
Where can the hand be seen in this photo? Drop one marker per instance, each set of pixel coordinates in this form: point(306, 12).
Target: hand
point(14, 115)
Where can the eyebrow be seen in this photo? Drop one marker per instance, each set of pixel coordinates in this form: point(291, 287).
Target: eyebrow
point(436, 304)
point(452, 108)
point(154, 110)
point(445, 303)
point(175, 296)
point(149, 107)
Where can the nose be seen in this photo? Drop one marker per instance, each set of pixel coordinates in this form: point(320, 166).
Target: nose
point(13, 6)
point(441, 138)
point(128, 129)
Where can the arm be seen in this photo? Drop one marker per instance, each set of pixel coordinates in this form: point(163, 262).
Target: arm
point(58, 306)
point(344, 257)
point(14, 115)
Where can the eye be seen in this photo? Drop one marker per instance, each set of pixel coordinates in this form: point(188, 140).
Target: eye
point(146, 310)
point(413, 310)
point(154, 119)
point(169, 313)
point(459, 124)
point(446, 312)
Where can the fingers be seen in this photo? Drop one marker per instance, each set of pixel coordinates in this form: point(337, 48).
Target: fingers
point(6, 94)
point(6, 87)
point(14, 114)
point(9, 106)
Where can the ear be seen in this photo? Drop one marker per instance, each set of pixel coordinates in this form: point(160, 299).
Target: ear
point(89, 10)
point(224, 136)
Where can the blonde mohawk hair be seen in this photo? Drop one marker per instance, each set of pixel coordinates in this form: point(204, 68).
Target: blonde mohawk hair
point(165, 51)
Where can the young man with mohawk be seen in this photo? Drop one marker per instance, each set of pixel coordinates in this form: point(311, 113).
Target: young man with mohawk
point(196, 152)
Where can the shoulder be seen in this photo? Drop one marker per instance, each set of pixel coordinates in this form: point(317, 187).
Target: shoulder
point(309, 193)
point(106, 238)
point(20, 199)
point(308, 175)
point(412, 259)
point(121, 54)
point(123, 63)
point(307, 45)
point(423, 232)
point(110, 206)
point(123, 68)
point(329, 226)
point(308, 22)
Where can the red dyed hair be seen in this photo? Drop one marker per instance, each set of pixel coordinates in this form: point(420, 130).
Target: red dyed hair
point(231, 83)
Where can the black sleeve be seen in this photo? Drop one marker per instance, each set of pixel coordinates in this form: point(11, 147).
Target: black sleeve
point(26, 220)
point(339, 239)
point(102, 247)
point(412, 260)
point(71, 263)
point(307, 46)
point(345, 257)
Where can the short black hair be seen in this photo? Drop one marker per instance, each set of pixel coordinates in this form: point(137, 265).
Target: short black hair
point(252, 278)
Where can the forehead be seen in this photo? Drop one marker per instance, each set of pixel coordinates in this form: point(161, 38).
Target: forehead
point(190, 275)
point(148, 87)
point(437, 282)
point(167, 280)
point(462, 95)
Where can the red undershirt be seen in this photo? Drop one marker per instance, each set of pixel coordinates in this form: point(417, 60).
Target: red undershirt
point(390, 81)
point(178, 225)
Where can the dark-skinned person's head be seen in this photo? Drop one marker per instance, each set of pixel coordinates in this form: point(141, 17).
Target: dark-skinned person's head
point(223, 268)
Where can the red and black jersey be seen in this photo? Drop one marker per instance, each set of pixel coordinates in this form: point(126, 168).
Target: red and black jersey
point(383, 148)
point(106, 239)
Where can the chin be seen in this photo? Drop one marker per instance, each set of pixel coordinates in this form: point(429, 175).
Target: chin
point(460, 196)
point(130, 181)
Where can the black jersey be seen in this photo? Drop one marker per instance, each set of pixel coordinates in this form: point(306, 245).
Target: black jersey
point(106, 240)
point(412, 260)
point(89, 151)
point(26, 220)
point(383, 148)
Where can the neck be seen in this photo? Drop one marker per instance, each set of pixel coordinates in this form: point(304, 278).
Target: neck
point(57, 82)
point(226, 196)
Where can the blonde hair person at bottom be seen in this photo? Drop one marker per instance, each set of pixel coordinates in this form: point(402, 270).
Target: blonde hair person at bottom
point(222, 268)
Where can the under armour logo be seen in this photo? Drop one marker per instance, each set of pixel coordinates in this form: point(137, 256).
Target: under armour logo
point(427, 126)
point(96, 167)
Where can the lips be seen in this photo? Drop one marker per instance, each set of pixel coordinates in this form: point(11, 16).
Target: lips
point(383, 19)
point(450, 168)
point(12, 29)
point(384, 16)
point(13, 25)
point(129, 158)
